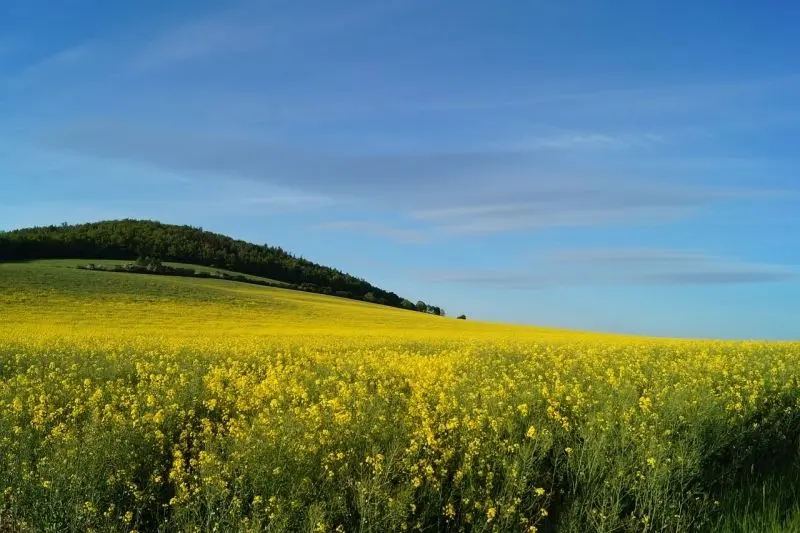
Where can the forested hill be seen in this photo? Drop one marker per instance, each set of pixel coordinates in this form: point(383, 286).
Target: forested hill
point(133, 239)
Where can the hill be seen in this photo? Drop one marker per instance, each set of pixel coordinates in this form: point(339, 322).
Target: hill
point(130, 239)
point(55, 293)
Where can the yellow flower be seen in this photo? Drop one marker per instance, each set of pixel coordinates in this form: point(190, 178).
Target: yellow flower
point(233, 383)
point(449, 511)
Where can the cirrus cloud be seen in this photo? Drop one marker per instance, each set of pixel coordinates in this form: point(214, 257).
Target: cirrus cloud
point(632, 266)
point(455, 193)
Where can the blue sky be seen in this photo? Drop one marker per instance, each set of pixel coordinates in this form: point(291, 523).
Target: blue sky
point(620, 166)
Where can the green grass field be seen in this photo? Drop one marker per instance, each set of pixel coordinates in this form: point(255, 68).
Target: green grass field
point(158, 403)
point(56, 292)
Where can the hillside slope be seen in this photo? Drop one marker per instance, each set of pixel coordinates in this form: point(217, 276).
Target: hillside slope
point(66, 299)
point(130, 239)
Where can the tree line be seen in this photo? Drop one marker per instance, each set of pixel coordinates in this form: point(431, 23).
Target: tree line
point(131, 239)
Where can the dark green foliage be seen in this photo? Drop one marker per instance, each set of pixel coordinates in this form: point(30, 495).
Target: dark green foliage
point(149, 243)
point(461, 317)
point(422, 307)
point(153, 268)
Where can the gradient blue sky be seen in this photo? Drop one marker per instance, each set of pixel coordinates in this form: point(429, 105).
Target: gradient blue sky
point(625, 166)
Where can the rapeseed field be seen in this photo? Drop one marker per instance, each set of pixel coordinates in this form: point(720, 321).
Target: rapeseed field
point(144, 403)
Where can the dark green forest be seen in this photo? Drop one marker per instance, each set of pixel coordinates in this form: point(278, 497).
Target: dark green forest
point(136, 239)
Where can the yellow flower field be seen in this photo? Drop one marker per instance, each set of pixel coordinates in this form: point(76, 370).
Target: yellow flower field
point(132, 402)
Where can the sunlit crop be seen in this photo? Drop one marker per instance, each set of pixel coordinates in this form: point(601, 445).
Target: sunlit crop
point(189, 405)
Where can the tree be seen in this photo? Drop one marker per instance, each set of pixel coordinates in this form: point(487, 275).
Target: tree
point(461, 317)
point(421, 306)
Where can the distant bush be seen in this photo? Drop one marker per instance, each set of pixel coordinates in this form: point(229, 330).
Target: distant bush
point(461, 317)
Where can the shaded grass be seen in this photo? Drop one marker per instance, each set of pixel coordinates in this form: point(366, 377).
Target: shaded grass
point(49, 291)
point(764, 502)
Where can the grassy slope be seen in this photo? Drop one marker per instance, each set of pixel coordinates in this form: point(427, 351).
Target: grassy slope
point(49, 289)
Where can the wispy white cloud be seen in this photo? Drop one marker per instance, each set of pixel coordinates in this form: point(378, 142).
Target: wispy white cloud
point(58, 63)
point(241, 203)
point(663, 97)
point(452, 193)
point(300, 201)
point(564, 216)
point(403, 235)
point(583, 203)
point(644, 266)
point(630, 256)
point(251, 27)
point(214, 35)
point(561, 140)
